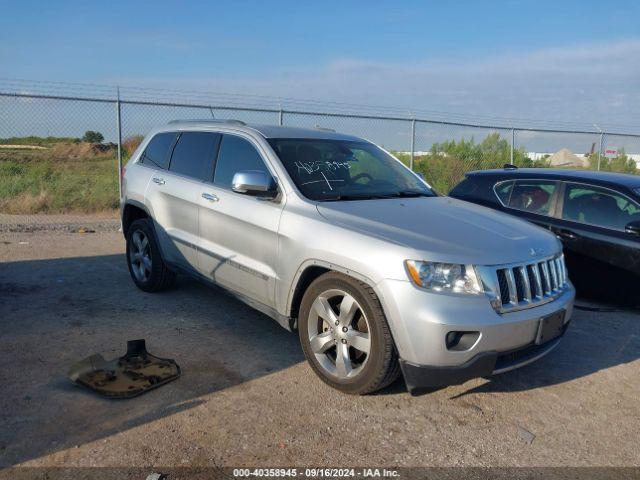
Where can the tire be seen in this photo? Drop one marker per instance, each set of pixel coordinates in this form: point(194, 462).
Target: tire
point(361, 367)
point(146, 266)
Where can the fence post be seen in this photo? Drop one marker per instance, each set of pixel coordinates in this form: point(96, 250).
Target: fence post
point(280, 115)
point(513, 141)
point(119, 123)
point(600, 148)
point(413, 142)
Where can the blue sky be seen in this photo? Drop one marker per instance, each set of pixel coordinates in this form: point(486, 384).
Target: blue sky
point(557, 60)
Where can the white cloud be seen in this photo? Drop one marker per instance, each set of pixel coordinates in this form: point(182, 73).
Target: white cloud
point(579, 83)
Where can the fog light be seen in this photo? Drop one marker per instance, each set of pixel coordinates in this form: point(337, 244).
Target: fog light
point(461, 341)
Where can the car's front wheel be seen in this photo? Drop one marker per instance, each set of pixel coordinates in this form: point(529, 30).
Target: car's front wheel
point(146, 266)
point(345, 335)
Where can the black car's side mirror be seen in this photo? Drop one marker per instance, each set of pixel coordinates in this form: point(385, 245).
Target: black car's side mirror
point(633, 228)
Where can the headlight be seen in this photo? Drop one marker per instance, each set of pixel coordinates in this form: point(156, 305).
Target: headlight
point(444, 277)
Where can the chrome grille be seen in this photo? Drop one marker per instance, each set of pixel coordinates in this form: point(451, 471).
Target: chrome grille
point(529, 284)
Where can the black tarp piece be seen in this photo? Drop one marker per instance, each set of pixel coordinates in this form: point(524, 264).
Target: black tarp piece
point(133, 374)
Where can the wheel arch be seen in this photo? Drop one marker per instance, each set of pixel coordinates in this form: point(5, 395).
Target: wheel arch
point(308, 272)
point(131, 212)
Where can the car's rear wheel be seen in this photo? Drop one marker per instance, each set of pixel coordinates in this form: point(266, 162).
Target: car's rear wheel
point(146, 266)
point(345, 335)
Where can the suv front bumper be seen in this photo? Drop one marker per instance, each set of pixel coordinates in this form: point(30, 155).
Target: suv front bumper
point(482, 365)
point(420, 320)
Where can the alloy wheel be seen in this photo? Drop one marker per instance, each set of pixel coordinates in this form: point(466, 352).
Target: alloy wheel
point(140, 256)
point(339, 334)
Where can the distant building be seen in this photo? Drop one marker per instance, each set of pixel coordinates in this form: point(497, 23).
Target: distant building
point(538, 155)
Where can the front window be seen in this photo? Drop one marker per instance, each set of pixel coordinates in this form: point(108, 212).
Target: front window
point(598, 206)
point(328, 170)
point(236, 154)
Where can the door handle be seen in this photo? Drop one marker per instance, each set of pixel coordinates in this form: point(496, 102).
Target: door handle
point(566, 234)
point(159, 181)
point(210, 196)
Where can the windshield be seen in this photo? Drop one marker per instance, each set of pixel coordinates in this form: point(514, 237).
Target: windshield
point(330, 170)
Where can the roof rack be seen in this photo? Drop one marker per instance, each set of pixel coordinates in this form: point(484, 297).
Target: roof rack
point(510, 166)
point(209, 120)
point(324, 129)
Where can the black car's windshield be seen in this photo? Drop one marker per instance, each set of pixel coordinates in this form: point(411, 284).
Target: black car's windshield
point(331, 170)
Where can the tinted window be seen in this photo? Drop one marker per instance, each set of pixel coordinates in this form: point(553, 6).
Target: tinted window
point(503, 191)
point(193, 154)
point(157, 152)
point(598, 206)
point(235, 154)
point(533, 196)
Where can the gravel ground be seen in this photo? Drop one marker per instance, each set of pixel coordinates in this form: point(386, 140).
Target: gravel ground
point(246, 396)
point(97, 222)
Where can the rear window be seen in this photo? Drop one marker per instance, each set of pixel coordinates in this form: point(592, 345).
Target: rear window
point(193, 154)
point(157, 152)
point(533, 196)
point(503, 191)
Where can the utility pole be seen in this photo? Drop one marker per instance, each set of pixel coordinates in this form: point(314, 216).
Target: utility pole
point(119, 129)
point(413, 142)
point(600, 148)
point(513, 140)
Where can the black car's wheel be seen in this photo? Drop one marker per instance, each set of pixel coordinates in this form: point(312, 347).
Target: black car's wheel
point(146, 266)
point(345, 335)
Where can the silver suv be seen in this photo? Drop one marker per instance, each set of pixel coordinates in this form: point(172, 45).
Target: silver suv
point(333, 236)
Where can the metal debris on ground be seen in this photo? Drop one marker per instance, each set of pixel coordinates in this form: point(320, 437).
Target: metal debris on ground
point(156, 476)
point(526, 435)
point(129, 376)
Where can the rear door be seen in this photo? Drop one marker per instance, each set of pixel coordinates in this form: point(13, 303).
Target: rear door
point(174, 195)
point(532, 199)
point(238, 233)
point(592, 224)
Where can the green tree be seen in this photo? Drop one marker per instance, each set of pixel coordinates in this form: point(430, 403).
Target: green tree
point(447, 162)
point(92, 137)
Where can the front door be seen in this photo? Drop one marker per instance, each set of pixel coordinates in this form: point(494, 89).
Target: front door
point(239, 233)
point(592, 225)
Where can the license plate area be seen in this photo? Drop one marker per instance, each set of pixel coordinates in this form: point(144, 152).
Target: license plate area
point(550, 327)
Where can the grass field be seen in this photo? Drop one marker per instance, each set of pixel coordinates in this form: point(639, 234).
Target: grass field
point(61, 179)
point(66, 175)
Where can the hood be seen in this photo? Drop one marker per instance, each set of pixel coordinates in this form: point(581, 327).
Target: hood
point(445, 229)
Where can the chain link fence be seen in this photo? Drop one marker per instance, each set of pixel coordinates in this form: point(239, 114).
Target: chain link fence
point(60, 153)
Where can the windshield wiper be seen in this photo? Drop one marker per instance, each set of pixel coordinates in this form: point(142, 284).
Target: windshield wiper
point(377, 196)
point(405, 194)
point(341, 197)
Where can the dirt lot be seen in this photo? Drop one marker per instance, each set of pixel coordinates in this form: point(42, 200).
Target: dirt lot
point(246, 397)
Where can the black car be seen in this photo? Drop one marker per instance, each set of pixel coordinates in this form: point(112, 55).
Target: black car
point(595, 214)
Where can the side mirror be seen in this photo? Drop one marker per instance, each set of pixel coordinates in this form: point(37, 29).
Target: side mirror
point(254, 182)
point(633, 228)
point(420, 175)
